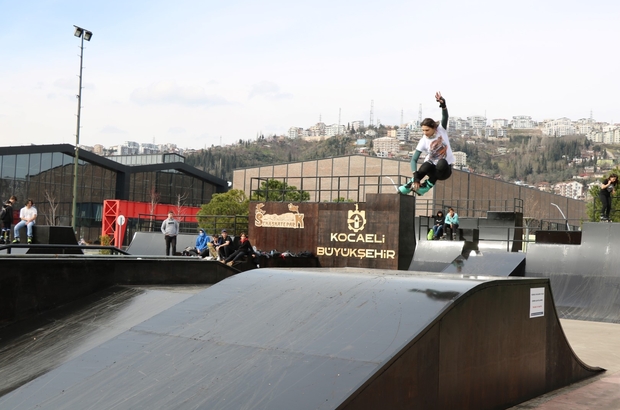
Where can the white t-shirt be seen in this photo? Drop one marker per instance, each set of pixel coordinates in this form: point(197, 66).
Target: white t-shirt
point(437, 148)
point(27, 212)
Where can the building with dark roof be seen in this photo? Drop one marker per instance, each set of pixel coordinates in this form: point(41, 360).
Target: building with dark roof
point(44, 173)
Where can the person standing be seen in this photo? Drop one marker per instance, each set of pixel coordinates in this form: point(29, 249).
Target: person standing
point(7, 219)
point(439, 158)
point(607, 190)
point(27, 216)
point(170, 229)
point(452, 224)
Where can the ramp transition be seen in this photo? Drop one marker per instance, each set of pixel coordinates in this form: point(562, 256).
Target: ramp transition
point(325, 339)
point(585, 278)
point(488, 262)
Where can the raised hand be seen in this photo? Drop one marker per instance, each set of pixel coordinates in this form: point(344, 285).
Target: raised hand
point(440, 100)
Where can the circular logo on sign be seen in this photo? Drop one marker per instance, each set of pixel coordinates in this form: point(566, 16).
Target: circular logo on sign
point(357, 220)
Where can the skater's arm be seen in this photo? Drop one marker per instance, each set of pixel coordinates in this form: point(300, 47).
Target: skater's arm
point(414, 160)
point(444, 110)
point(444, 118)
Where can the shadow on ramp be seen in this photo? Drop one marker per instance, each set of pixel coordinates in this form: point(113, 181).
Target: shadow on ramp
point(490, 263)
point(325, 339)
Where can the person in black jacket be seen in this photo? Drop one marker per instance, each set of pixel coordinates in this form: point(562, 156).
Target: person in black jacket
point(7, 219)
point(607, 190)
point(245, 249)
point(440, 219)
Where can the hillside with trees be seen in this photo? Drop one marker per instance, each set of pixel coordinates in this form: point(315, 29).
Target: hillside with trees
point(520, 157)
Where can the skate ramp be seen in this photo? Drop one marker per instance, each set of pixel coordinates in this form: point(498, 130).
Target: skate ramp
point(435, 256)
point(488, 262)
point(325, 339)
point(153, 243)
point(585, 278)
point(41, 344)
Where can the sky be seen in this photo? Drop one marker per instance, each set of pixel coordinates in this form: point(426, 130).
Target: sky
point(201, 73)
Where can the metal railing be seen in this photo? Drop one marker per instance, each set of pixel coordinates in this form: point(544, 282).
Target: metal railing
point(324, 189)
point(62, 249)
point(210, 223)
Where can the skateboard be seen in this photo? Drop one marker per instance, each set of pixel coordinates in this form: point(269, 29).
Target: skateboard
point(407, 188)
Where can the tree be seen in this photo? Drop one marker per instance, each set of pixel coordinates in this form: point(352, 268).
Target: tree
point(180, 205)
point(154, 198)
point(222, 212)
point(274, 190)
point(51, 198)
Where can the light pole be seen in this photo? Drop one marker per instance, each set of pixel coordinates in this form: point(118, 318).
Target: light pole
point(83, 35)
point(563, 216)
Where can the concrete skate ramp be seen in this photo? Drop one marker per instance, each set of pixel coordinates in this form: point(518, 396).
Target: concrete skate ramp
point(152, 243)
point(585, 278)
point(488, 262)
point(325, 339)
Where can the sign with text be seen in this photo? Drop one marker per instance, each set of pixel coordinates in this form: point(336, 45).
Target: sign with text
point(537, 302)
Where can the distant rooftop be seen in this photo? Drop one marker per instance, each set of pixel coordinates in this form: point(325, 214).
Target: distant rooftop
point(147, 159)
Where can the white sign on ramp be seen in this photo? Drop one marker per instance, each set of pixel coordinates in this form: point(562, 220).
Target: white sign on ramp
point(537, 302)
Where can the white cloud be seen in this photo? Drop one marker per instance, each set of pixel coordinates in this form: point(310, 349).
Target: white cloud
point(269, 90)
point(110, 129)
point(168, 92)
point(177, 130)
point(66, 83)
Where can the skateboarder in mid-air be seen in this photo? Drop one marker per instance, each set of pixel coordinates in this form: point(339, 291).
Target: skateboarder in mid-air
point(439, 158)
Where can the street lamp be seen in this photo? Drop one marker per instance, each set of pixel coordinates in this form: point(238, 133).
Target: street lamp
point(563, 216)
point(83, 35)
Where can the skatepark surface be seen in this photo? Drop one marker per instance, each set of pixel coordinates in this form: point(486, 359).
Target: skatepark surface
point(281, 338)
point(595, 343)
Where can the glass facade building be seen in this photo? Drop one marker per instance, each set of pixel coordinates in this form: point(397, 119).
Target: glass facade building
point(44, 174)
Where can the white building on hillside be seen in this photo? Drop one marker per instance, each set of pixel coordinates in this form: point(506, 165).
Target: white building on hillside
point(572, 189)
point(335, 129)
point(559, 127)
point(499, 123)
point(357, 125)
point(460, 159)
point(385, 144)
point(477, 121)
point(522, 122)
point(295, 132)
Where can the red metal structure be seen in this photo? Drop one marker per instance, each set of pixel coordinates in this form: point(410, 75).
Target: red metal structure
point(113, 208)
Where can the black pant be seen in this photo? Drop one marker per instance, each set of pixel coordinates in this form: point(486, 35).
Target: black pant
point(439, 172)
point(239, 253)
point(450, 230)
point(171, 241)
point(225, 251)
point(606, 203)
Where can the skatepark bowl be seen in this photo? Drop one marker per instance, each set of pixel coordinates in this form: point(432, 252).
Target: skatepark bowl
point(468, 327)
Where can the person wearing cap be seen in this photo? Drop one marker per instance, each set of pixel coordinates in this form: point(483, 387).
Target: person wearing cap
point(224, 250)
point(170, 229)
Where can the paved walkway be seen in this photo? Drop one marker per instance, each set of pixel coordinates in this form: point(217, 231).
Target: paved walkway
point(596, 344)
